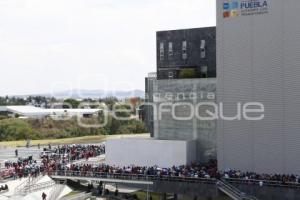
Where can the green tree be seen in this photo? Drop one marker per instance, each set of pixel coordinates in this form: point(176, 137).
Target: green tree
point(115, 125)
point(123, 130)
point(109, 101)
point(73, 102)
point(16, 129)
point(122, 110)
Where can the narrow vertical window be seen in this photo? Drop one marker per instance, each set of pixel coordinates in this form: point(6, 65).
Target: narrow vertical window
point(170, 75)
point(161, 51)
point(202, 49)
point(184, 50)
point(204, 72)
point(170, 49)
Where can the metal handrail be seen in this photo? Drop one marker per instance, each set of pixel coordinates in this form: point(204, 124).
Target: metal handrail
point(33, 180)
point(21, 186)
point(141, 177)
point(25, 184)
point(265, 182)
point(228, 188)
point(37, 187)
point(56, 191)
point(135, 177)
point(235, 192)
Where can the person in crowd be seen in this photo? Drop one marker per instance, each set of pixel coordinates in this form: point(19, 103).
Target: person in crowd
point(44, 196)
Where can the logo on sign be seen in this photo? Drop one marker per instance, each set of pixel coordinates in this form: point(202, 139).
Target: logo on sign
point(234, 8)
point(230, 9)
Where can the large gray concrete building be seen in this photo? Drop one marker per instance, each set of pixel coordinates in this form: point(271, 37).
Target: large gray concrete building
point(179, 126)
point(161, 122)
point(180, 51)
point(258, 60)
point(177, 51)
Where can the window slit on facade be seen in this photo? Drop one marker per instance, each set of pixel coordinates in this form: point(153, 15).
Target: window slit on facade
point(170, 50)
point(184, 50)
point(161, 51)
point(202, 49)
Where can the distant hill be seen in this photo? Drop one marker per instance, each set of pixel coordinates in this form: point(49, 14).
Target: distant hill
point(80, 94)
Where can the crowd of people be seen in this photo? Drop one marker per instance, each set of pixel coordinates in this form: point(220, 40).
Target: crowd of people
point(59, 160)
point(62, 155)
point(194, 171)
point(21, 168)
point(208, 171)
point(52, 159)
point(236, 174)
point(76, 152)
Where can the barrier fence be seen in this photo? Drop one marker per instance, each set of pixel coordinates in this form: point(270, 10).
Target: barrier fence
point(141, 177)
point(133, 177)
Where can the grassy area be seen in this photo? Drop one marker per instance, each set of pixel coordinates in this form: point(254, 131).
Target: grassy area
point(74, 192)
point(142, 195)
point(76, 140)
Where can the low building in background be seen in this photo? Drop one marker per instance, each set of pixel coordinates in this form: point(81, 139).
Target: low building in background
point(36, 112)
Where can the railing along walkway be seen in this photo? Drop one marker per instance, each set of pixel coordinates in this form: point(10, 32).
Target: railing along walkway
point(125, 178)
point(233, 192)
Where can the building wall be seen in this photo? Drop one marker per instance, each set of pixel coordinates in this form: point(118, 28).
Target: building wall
point(149, 152)
point(148, 110)
point(167, 127)
point(258, 59)
point(175, 62)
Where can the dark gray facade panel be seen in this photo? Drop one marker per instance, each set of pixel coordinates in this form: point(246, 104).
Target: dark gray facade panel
point(147, 108)
point(174, 63)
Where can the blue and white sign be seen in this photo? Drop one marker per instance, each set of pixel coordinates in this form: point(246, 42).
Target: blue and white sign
point(235, 8)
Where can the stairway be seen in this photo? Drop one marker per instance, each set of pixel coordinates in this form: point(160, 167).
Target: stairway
point(25, 184)
point(37, 187)
point(233, 192)
point(32, 185)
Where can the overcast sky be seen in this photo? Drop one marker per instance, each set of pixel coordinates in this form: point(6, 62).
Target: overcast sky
point(58, 45)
